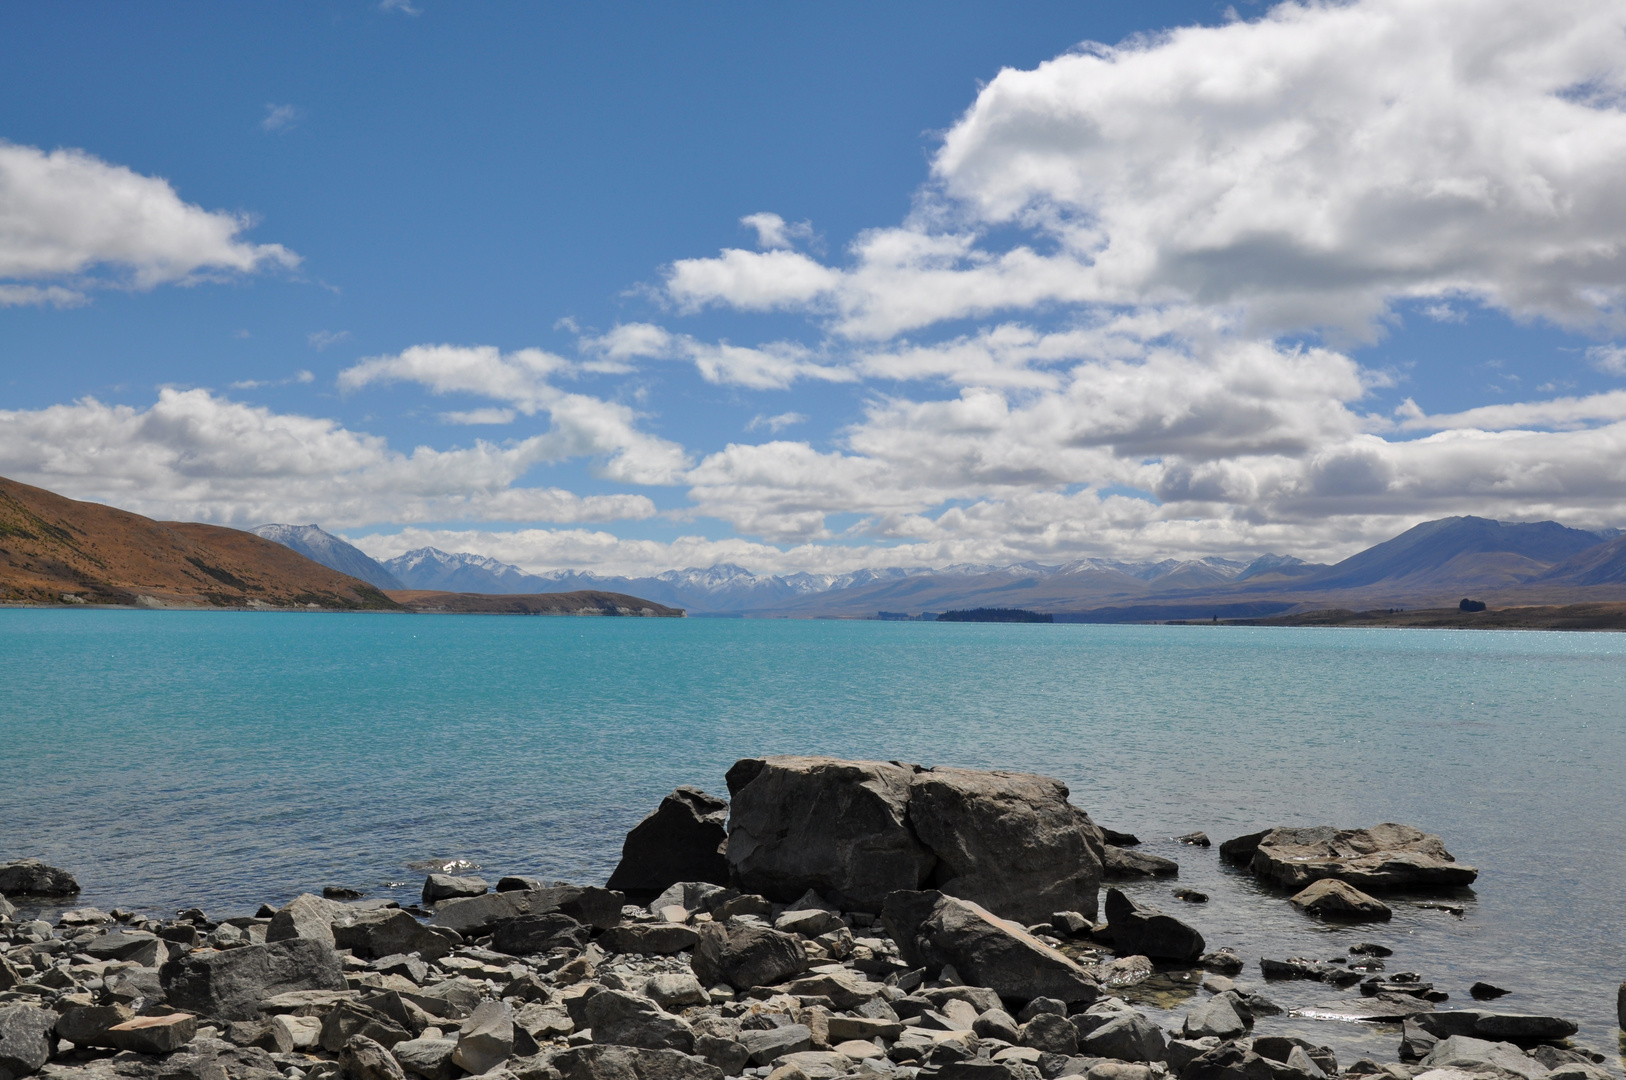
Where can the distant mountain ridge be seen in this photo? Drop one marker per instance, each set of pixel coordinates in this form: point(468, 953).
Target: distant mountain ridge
point(336, 554)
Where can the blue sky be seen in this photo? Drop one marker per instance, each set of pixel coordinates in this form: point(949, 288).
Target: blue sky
point(1236, 287)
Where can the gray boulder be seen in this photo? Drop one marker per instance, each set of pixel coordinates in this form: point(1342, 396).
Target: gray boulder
point(30, 877)
point(631, 1063)
point(650, 939)
point(350, 1018)
point(1384, 857)
point(1127, 1036)
point(1121, 864)
point(478, 915)
point(682, 840)
point(526, 935)
point(674, 989)
point(162, 1034)
point(485, 1039)
point(364, 1059)
point(933, 931)
point(386, 932)
point(429, 1058)
point(1480, 1055)
point(746, 956)
point(306, 916)
point(1496, 1027)
point(27, 1038)
point(230, 985)
point(87, 1025)
point(438, 887)
point(995, 1024)
point(1331, 898)
point(1048, 1033)
point(729, 1056)
point(763, 1046)
point(626, 1019)
point(1144, 931)
point(1223, 1016)
point(1007, 841)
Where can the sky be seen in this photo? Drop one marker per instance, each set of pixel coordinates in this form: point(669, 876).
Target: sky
point(628, 288)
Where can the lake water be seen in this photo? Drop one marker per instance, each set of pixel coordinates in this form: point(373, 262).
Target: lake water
point(217, 759)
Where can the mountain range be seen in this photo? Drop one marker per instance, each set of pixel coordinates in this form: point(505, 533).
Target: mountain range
point(1433, 564)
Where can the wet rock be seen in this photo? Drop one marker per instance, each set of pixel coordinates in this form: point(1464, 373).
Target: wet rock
point(526, 935)
point(1497, 1027)
point(430, 1059)
point(1145, 931)
point(486, 1038)
point(1191, 896)
point(351, 1018)
point(231, 985)
point(1331, 898)
point(649, 939)
point(1050, 1033)
point(1223, 961)
point(1367, 948)
point(1415, 1041)
point(1374, 986)
point(1123, 971)
point(341, 892)
point(1127, 1036)
point(153, 1034)
point(1484, 991)
point(1195, 839)
point(763, 1046)
point(27, 1038)
point(1116, 838)
point(477, 915)
point(631, 1063)
point(1384, 1008)
point(1317, 970)
point(1620, 1005)
point(438, 887)
point(1008, 841)
point(933, 930)
point(386, 932)
point(306, 916)
point(682, 840)
point(632, 1020)
point(30, 877)
point(1240, 850)
point(1387, 856)
point(364, 1059)
point(1223, 1016)
point(746, 956)
point(1121, 864)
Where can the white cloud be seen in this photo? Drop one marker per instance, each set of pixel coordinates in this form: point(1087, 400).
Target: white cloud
point(403, 6)
point(64, 214)
point(321, 339)
point(775, 424)
point(750, 280)
point(279, 117)
point(256, 384)
point(774, 232)
point(479, 416)
point(1610, 359)
point(774, 366)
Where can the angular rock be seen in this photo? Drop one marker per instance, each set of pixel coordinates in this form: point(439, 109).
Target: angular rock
point(438, 887)
point(845, 989)
point(683, 839)
point(1182, 1052)
point(1384, 857)
point(30, 877)
point(306, 916)
point(1280, 1048)
point(87, 1026)
point(526, 935)
point(1415, 1042)
point(1332, 898)
point(1480, 1055)
point(485, 1039)
point(230, 985)
point(1128, 1036)
point(847, 1028)
point(1222, 1016)
point(350, 1018)
point(429, 1058)
point(674, 989)
point(1121, 864)
point(933, 931)
point(631, 1063)
point(763, 1046)
point(1497, 1027)
point(302, 1032)
point(1319, 970)
point(133, 946)
point(809, 922)
point(364, 1059)
point(726, 1054)
point(1145, 931)
point(746, 956)
point(372, 934)
point(27, 1038)
point(626, 1019)
point(1007, 841)
point(1226, 1061)
point(650, 939)
point(154, 1034)
point(978, 1069)
point(479, 914)
point(1239, 851)
point(1195, 839)
point(1222, 961)
point(1049, 1033)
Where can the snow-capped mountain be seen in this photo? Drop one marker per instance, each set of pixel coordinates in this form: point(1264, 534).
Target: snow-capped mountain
point(327, 549)
point(431, 568)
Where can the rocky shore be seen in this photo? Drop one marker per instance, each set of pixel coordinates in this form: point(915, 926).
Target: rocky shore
point(830, 919)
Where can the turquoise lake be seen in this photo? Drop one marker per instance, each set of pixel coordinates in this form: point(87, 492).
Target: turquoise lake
point(218, 759)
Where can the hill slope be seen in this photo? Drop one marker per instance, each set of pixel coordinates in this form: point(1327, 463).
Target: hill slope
point(316, 544)
point(55, 550)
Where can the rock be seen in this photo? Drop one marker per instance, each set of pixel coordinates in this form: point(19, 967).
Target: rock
point(1042, 1005)
point(1182, 1052)
point(1191, 896)
point(1225, 1061)
point(649, 939)
point(1497, 1027)
point(980, 998)
point(799, 823)
point(626, 1019)
point(1318, 970)
point(1050, 1033)
point(85, 916)
point(1415, 1041)
point(30, 877)
point(726, 1054)
point(364, 1059)
point(308, 917)
point(27, 1037)
point(933, 930)
point(1620, 1005)
point(993, 1024)
point(386, 932)
point(477, 915)
point(302, 1032)
point(526, 935)
point(1384, 1008)
point(153, 1034)
point(1367, 948)
point(845, 989)
point(676, 989)
point(1240, 850)
point(1121, 864)
point(1480, 1055)
point(1007, 841)
point(486, 1038)
point(1128, 1036)
point(545, 1021)
point(350, 1018)
point(1222, 1016)
point(1224, 961)
point(1145, 931)
point(1384, 857)
point(1331, 898)
point(429, 1058)
point(1113, 1070)
point(763, 1046)
point(847, 1028)
point(682, 840)
point(341, 892)
point(1280, 1048)
point(809, 922)
point(438, 887)
point(87, 1026)
point(1484, 991)
point(131, 946)
point(1124, 971)
point(631, 1063)
point(230, 985)
point(746, 956)
point(977, 1069)
point(1195, 839)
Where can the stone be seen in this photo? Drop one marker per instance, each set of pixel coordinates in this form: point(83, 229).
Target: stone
point(1224, 1016)
point(1128, 1036)
point(1191, 896)
point(1481, 1055)
point(1225, 1061)
point(799, 823)
point(1318, 970)
point(631, 1063)
point(650, 939)
point(1384, 857)
point(1484, 991)
point(476, 915)
point(847, 1028)
point(933, 930)
point(1415, 1040)
point(30, 877)
point(1007, 841)
point(845, 989)
point(1223, 961)
point(726, 1054)
point(746, 956)
point(1497, 1027)
point(119, 945)
point(676, 989)
point(1620, 1005)
point(1121, 864)
point(1041, 1005)
point(683, 839)
point(858, 1050)
point(977, 1069)
point(364, 1059)
point(303, 1032)
point(632, 1020)
point(1182, 1052)
point(1124, 971)
point(1195, 839)
point(230, 985)
point(306, 916)
point(485, 1039)
point(87, 1026)
point(1114, 1070)
point(1239, 851)
point(1280, 1048)
point(1144, 931)
point(153, 1034)
point(993, 1024)
point(307, 1001)
point(1049, 1033)
point(430, 1059)
point(349, 1018)
point(1332, 898)
point(528, 935)
point(27, 1037)
point(438, 887)
point(763, 1046)
point(980, 998)
point(386, 932)
point(809, 922)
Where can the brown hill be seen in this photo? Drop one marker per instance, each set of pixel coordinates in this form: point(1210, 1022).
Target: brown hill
point(55, 550)
point(587, 602)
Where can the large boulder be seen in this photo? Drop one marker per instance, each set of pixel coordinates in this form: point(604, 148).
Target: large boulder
point(27, 1038)
point(933, 930)
point(230, 985)
point(30, 877)
point(1127, 1036)
point(1497, 1027)
point(633, 1020)
point(388, 932)
point(485, 1039)
point(364, 1059)
point(840, 827)
point(306, 916)
point(526, 935)
point(477, 915)
point(1465, 1053)
point(1138, 930)
point(684, 839)
point(1008, 841)
point(746, 956)
point(631, 1063)
point(1384, 857)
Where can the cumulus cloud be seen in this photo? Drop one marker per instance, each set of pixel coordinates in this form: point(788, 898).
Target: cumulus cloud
point(776, 423)
point(1610, 359)
point(774, 366)
point(774, 231)
point(65, 214)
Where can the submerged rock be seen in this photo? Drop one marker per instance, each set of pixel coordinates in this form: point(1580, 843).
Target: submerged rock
point(1331, 898)
point(1145, 931)
point(1384, 857)
point(1121, 864)
point(30, 877)
point(683, 839)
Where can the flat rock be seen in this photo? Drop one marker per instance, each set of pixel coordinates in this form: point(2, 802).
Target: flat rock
point(1384, 857)
point(631, 1063)
point(1481, 1055)
point(526, 935)
point(764, 1046)
point(1332, 898)
point(683, 839)
point(230, 985)
point(30, 877)
point(1122, 864)
point(1497, 1027)
point(438, 887)
point(154, 1034)
point(1317, 970)
point(477, 915)
point(845, 989)
point(1223, 1016)
point(650, 939)
point(87, 1026)
point(1138, 930)
point(1384, 1008)
point(27, 1038)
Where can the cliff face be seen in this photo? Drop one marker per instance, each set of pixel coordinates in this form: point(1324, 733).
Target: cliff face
point(55, 550)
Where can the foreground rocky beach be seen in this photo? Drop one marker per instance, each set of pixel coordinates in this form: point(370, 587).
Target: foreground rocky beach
point(833, 918)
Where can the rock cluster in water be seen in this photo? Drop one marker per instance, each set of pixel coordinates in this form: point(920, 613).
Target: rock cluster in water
point(838, 919)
